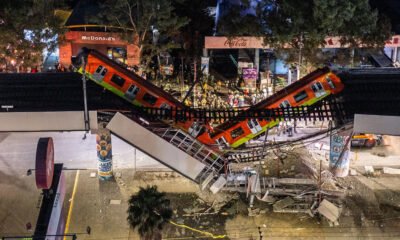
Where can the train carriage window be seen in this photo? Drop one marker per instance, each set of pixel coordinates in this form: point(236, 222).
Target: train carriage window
point(330, 82)
point(101, 70)
point(284, 104)
point(133, 89)
point(316, 87)
point(103, 73)
point(98, 70)
point(237, 132)
point(300, 96)
point(149, 99)
point(118, 80)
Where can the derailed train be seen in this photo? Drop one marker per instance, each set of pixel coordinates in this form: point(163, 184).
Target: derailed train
point(133, 88)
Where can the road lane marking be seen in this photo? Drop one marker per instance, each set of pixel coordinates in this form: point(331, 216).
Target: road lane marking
point(71, 204)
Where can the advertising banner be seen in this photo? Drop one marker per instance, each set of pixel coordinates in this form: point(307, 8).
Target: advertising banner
point(205, 63)
point(242, 65)
point(250, 77)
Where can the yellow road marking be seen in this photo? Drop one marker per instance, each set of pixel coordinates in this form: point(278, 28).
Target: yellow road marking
point(71, 204)
point(199, 231)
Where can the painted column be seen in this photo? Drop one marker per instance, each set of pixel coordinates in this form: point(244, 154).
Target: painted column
point(104, 153)
point(289, 80)
point(339, 163)
point(257, 61)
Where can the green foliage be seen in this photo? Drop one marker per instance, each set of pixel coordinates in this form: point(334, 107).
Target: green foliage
point(305, 24)
point(137, 18)
point(19, 16)
point(308, 22)
point(148, 211)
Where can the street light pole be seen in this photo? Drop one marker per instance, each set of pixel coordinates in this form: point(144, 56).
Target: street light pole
point(299, 62)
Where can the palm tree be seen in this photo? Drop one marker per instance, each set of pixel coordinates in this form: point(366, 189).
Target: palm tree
point(148, 211)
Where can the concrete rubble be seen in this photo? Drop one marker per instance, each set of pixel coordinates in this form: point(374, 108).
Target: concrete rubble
point(281, 204)
point(288, 195)
point(329, 211)
point(388, 170)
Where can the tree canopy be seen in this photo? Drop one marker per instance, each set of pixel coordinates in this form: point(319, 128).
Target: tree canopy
point(305, 24)
point(149, 210)
point(308, 22)
point(150, 24)
point(27, 27)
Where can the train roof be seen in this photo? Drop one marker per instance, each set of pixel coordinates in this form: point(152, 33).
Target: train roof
point(278, 95)
point(147, 84)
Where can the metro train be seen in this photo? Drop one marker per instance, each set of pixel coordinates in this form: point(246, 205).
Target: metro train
point(304, 92)
point(129, 85)
point(126, 84)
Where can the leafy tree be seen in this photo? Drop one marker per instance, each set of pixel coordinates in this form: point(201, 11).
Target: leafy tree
point(306, 23)
point(303, 25)
point(152, 25)
point(148, 211)
point(27, 27)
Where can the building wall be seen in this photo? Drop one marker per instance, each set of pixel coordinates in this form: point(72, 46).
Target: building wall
point(75, 40)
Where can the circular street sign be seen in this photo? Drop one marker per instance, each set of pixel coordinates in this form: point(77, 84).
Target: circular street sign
point(44, 163)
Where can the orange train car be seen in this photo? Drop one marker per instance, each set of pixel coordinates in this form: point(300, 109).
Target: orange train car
point(305, 92)
point(129, 85)
point(107, 73)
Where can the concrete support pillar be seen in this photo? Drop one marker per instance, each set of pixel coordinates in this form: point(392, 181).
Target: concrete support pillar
point(104, 153)
point(352, 54)
point(339, 157)
point(257, 61)
point(205, 52)
point(394, 56)
point(289, 77)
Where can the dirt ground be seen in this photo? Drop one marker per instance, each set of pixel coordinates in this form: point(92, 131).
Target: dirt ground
point(370, 206)
point(368, 212)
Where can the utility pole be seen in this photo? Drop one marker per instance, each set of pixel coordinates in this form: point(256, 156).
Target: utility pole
point(86, 113)
point(299, 63)
point(194, 82)
point(182, 78)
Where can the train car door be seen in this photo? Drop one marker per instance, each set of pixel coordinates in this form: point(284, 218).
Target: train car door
point(195, 129)
point(165, 110)
point(222, 142)
point(99, 74)
point(318, 89)
point(254, 126)
point(132, 92)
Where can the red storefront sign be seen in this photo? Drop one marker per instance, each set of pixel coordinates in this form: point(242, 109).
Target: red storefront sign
point(239, 42)
point(257, 42)
point(95, 38)
point(101, 41)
